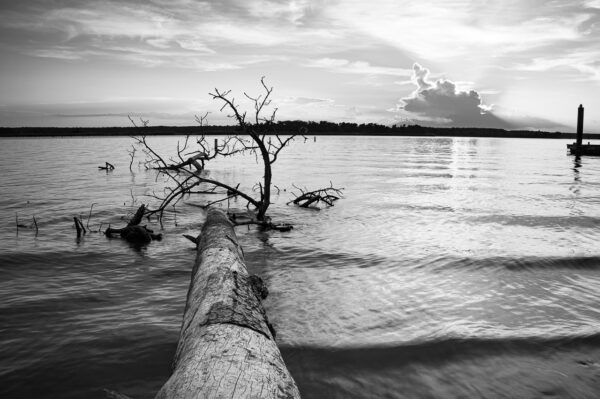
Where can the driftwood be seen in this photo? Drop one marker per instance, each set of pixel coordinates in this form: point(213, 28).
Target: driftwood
point(107, 166)
point(226, 346)
point(242, 219)
point(190, 161)
point(133, 232)
point(311, 199)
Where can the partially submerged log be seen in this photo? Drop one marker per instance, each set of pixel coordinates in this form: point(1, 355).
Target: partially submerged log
point(107, 166)
point(133, 232)
point(244, 219)
point(226, 346)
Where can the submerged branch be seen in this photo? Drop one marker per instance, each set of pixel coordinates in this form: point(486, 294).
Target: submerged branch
point(107, 166)
point(311, 199)
point(133, 232)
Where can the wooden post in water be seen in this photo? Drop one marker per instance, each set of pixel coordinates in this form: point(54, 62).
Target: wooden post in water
point(226, 347)
point(579, 129)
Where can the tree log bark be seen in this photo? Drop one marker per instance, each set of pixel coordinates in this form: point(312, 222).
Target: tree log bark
point(226, 348)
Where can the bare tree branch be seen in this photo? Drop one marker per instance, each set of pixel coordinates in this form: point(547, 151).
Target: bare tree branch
point(257, 136)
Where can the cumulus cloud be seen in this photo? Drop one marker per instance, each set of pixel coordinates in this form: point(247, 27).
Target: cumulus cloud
point(441, 103)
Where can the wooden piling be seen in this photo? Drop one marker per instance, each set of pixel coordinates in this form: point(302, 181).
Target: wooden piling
point(226, 346)
point(579, 128)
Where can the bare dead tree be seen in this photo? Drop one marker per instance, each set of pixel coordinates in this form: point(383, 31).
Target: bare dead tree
point(265, 141)
point(257, 135)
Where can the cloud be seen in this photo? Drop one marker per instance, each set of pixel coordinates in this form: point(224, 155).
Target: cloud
point(441, 103)
point(420, 76)
point(345, 50)
point(207, 35)
point(585, 63)
point(455, 28)
point(528, 122)
point(593, 4)
point(57, 52)
point(304, 101)
point(185, 29)
point(111, 112)
point(464, 28)
point(357, 67)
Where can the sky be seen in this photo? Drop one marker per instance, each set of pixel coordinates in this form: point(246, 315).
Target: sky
point(515, 64)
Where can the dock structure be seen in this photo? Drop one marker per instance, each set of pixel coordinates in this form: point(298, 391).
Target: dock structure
point(226, 346)
point(578, 148)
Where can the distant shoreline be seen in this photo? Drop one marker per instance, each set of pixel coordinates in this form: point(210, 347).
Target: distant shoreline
point(286, 128)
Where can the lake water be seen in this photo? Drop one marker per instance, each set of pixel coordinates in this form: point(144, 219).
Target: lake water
point(453, 268)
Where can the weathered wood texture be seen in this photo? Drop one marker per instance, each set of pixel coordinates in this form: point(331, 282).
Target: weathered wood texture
point(226, 348)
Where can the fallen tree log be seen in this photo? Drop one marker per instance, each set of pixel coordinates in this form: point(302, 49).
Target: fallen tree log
point(226, 345)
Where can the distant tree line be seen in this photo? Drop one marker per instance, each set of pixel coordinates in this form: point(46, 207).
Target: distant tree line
point(374, 129)
point(291, 127)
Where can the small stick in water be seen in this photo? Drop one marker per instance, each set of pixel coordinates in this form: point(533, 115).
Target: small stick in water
point(107, 166)
point(79, 226)
point(18, 224)
point(89, 216)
